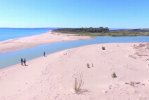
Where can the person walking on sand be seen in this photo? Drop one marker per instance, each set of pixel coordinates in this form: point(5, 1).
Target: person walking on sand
point(44, 54)
point(25, 62)
point(22, 62)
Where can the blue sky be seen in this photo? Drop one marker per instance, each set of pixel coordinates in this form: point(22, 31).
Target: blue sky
point(74, 13)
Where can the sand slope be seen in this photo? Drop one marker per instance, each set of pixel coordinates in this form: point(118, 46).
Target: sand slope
point(27, 42)
point(53, 77)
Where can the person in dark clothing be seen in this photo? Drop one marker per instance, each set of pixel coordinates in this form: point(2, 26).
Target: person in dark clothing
point(22, 62)
point(44, 54)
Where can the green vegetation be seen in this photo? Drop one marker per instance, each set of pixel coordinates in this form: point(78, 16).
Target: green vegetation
point(104, 31)
point(86, 30)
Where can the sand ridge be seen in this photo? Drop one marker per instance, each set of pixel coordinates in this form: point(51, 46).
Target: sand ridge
point(27, 42)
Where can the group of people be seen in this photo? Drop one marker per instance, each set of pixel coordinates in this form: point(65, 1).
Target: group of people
point(23, 61)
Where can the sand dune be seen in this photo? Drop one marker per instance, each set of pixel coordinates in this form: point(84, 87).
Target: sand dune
point(53, 77)
point(27, 42)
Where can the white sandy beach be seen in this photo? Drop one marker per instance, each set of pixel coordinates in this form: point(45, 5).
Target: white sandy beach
point(27, 42)
point(53, 77)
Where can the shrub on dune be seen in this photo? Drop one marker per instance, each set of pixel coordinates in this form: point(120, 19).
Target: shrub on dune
point(114, 75)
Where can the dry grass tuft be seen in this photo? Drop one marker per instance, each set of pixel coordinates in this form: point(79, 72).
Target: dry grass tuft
point(114, 75)
point(78, 84)
point(103, 48)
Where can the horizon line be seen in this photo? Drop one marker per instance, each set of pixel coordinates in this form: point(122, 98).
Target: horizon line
point(70, 27)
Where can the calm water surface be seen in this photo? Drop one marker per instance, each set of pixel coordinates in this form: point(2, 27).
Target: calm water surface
point(11, 58)
point(11, 33)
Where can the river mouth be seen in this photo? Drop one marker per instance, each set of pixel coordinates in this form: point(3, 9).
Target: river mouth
point(12, 58)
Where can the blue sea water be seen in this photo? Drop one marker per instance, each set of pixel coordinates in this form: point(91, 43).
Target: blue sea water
point(11, 33)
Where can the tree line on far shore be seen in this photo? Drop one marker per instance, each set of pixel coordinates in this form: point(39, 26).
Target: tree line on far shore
point(91, 30)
